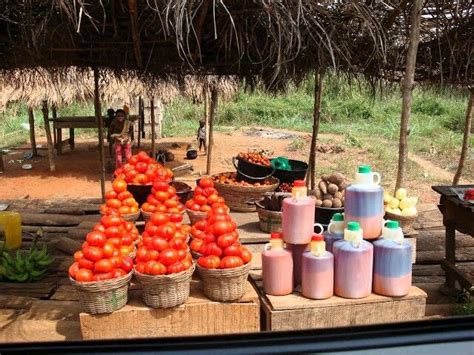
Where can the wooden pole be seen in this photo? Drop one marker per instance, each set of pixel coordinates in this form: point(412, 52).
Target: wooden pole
point(47, 128)
point(139, 142)
point(465, 141)
point(407, 88)
point(318, 86)
point(213, 109)
point(153, 136)
point(2, 167)
point(206, 113)
point(100, 121)
point(31, 120)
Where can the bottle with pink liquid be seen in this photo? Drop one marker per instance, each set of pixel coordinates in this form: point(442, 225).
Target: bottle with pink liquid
point(392, 262)
point(317, 270)
point(298, 215)
point(363, 202)
point(335, 231)
point(353, 260)
point(277, 267)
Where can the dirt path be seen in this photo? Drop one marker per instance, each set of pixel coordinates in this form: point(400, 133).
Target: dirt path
point(431, 169)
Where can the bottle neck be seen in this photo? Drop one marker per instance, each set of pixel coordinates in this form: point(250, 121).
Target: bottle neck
point(299, 192)
point(365, 179)
point(355, 237)
point(393, 234)
point(318, 248)
point(276, 243)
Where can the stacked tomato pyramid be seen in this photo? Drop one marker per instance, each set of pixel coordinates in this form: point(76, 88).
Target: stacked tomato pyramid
point(119, 201)
point(163, 198)
point(106, 252)
point(141, 169)
point(205, 196)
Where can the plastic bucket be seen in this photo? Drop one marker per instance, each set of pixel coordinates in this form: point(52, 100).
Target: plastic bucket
point(183, 190)
point(324, 215)
point(297, 172)
point(251, 172)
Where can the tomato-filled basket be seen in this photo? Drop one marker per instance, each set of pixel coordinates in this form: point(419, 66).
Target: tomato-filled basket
point(100, 297)
point(165, 291)
point(224, 285)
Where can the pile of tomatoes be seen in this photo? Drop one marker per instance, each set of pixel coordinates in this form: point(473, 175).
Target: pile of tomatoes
point(163, 249)
point(163, 198)
point(231, 179)
point(217, 240)
point(205, 196)
point(141, 169)
point(255, 158)
point(119, 201)
point(106, 252)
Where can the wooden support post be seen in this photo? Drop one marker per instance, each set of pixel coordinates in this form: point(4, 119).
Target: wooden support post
point(465, 141)
point(47, 128)
point(213, 109)
point(100, 122)
point(407, 88)
point(134, 28)
point(318, 85)
point(206, 113)
point(2, 167)
point(31, 120)
point(152, 118)
point(139, 140)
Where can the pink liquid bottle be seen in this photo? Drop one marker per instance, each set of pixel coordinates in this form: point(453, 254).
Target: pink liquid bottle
point(317, 268)
point(363, 202)
point(277, 267)
point(392, 262)
point(353, 260)
point(335, 231)
point(298, 215)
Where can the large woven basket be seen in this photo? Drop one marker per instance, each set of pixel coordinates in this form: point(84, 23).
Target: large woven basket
point(103, 296)
point(224, 285)
point(406, 223)
point(165, 291)
point(131, 217)
point(237, 197)
point(195, 216)
point(147, 215)
point(269, 221)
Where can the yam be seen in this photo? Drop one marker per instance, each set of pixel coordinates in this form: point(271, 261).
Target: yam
point(325, 177)
point(338, 195)
point(327, 203)
point(319, 203)
point(317, 192)
point(328, 197)
point(323, 187)
point(336, 178)
point(332, 189)
point(342, 186)
point(336, 203)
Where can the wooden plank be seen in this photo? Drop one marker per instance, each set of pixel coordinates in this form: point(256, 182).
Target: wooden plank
point(56, 219)
point(52, 229)
point(67, 245)
point(65, 293)
point(18, 302)
point(198, 316)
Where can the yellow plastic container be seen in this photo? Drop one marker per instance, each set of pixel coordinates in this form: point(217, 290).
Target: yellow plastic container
point(10, 223)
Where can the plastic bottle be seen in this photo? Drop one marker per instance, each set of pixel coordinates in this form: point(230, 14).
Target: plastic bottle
point(392, 262)
point(363, 202)
point(335, 231)
point(298, 215)
point(317, 270)
point(10, 223)
point(353, 260)
point(277, 267)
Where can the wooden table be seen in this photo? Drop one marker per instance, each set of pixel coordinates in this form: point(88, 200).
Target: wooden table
point(458, 215)
point(71, 123)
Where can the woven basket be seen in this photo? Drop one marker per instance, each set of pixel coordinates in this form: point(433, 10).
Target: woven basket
point(132, 217)
point(165, 291)
point(269, 221)
point(147, 215)
point(406, 223)
point(195, 216)
point(237, 197)
point(103, 296)
point(224, 285)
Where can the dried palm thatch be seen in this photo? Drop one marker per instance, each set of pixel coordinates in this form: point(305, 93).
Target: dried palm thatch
point(194, 86)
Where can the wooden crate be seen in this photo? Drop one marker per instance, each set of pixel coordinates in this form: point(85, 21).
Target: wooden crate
point(294, 311)
point(198, 316)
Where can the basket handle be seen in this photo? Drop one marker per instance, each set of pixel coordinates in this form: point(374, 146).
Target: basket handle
point(234, 161)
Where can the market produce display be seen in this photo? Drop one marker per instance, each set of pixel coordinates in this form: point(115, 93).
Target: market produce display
point(231, 179)
point(141, 169)
point(329, 191)
point(205, 195)
point(106, 252)
point(119, 201)
point(401, 203)
point(255, 157)
point(285, 187)
point(162, 198)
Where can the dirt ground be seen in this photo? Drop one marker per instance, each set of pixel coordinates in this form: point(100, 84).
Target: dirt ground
point(77, 172)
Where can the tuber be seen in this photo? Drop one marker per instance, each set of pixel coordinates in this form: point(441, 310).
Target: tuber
point(332, 189)
point(336, 203)
point(327, 203)
point(323, 187)
point(319, 203)
point(336, 178)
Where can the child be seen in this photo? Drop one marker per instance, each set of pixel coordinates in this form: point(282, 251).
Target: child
point(120, 131)
point(201, 135)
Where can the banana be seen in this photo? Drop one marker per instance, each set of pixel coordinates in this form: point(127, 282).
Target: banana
point(42, 254)
point(46, 261)
point(36, 275)
point(23, 277)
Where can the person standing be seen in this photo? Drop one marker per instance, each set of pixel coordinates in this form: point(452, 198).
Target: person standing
point(120, 131)
point(201, 135)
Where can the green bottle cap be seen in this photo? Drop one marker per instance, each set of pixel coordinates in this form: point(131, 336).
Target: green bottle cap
point(364, 169)
point(392, 224)
point(353, 226)
point(338, 217)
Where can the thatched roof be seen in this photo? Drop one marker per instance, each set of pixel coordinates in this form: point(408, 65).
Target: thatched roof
point(270, 41)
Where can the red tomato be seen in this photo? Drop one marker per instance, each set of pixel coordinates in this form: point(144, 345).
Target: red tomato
point(176, 218)
point(116, 260)
point(168, 256)
point(171, 190)
point(198, 191)
point(209, 238)
point(143, 157)
point(232, 250)
point(201, 224)
point(85, 264)
point(73, 269)
point(189, 203)
point(109, 221)
point(119, 185)
point(84, 275)
point(77, 255)
point(108, 250)
point(116, 242)
point(141, 254)
point(205, 208)
point(211, 249)
point(96, 239)
point(126, 250)
point(196, 244)
point(140, 267)
point(212, 199)
point(152, 255)
point(102, 276)
point(195, 207)
point(112, 232)
point(141, 167)
point(155, 268)
point(159, 218)
point(116, 273)
point(200, 200)
point(230, 262)
point(133, 160)
point(182, 253)
point(161, 196)
point(124, 195)
point(166, 231)
point(209, 262)
point(159, 244)
point(161, 208)
point(92, 253)
point(176, 268)
point(245, 255)
point(187, 263)
point(142, 179)
point(178, 243)
point(113, 203)
point(206, 182)
point(127, 264)
point(131, 175)
point(160, 186)
point(223, 227)
point(171, 203)
point(103, 266)
point(110, 194)
point(226, 240)
point(127, 239)
point(99, 228)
